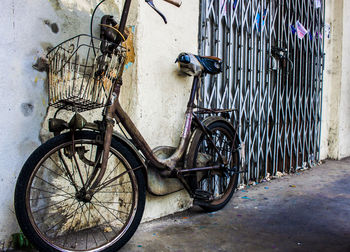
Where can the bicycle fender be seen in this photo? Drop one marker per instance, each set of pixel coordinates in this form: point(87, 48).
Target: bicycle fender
point(209, 120)
point(212, 119)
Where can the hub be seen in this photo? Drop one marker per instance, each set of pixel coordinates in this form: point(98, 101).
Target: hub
point(83, 196)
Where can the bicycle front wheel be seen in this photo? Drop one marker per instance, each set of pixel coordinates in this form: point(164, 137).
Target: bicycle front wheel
point(53, 208)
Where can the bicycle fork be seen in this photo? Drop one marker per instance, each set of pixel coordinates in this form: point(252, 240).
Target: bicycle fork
point(108, 133)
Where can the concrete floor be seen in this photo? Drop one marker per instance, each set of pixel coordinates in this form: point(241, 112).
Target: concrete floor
point(306, 211)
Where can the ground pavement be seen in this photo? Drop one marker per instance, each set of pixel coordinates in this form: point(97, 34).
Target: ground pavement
point(306, 211)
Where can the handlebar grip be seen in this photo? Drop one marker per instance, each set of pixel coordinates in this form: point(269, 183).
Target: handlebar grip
point(177, 3)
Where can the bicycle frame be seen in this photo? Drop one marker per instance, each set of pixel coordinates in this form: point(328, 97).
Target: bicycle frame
point(116, 112)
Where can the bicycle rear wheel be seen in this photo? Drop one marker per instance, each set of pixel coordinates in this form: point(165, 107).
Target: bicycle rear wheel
point(52, 209)
point(215, 187)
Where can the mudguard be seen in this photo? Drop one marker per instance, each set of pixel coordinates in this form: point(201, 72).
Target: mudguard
point(207, 121)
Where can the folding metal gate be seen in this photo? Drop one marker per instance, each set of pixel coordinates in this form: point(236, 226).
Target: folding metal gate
point(270, 75)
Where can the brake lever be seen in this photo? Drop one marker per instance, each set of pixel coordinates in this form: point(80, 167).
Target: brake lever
point(150, 3)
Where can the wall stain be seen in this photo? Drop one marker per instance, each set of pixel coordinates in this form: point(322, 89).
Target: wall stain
point(46, 46)
point(55, 4)
point(27, 146)
point(53, 26)
point(27, 109)
point(13, 14)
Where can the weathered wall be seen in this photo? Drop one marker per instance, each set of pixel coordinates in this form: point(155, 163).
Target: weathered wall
point(335, 141)
point(23, 101)
point(344, 113)
point(161, 93)
point(154, 94)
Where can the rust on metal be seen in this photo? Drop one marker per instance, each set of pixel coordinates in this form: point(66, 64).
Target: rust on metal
point(201, 169)
point(129, 45)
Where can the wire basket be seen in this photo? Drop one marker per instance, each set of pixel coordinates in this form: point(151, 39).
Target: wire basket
point(81, 77)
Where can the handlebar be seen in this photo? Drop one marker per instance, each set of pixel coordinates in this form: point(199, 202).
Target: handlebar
point(107, 32)
point(177, 3)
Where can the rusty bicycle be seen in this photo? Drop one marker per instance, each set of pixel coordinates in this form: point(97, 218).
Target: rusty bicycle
point(85, 188)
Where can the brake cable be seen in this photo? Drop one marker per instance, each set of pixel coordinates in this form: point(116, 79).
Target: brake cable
point(91, 23)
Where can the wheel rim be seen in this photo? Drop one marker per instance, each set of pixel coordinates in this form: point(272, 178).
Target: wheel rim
point(218, 183)
point(66, 220)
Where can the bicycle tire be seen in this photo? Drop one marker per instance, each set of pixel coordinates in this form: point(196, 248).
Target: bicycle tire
point(105, 223)
point(203, 154)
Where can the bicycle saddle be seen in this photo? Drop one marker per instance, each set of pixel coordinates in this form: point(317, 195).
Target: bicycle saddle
point(195, 65)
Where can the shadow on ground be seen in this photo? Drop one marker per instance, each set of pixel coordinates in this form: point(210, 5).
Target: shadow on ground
point(307, 211)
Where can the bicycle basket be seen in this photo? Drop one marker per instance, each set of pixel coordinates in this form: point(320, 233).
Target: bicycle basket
point(80, 76)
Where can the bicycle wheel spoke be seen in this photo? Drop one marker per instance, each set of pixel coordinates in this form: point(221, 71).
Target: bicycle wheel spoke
point(112, 209)
point(67, 170)
point(55, 204)
point(71, 224)
point(113, 192)
point(78, 168)
point(60, 189)
point(64, 217)
point(113, 179)
point(112, 170)
point(59, 167)
point(105, 221)
point(108, 210)
point(52, 215)
point(87, 235)
point(46, 191)
point(89, 222)
point(49, 197)
point(84, 164)
point(114, 185)
point(109, 202)
point(76, 237)
point(56, 173)
point(86, 220)
point(95, 169)
point(90, 158)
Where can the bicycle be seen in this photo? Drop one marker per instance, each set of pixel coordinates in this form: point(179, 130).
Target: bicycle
point(84, 189)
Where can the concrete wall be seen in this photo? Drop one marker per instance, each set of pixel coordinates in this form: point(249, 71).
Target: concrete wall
point(154, 94)
point(335, 142)
point(161, 93)
point(344, 115)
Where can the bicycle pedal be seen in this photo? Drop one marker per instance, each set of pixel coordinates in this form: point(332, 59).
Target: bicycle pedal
point(202, 195)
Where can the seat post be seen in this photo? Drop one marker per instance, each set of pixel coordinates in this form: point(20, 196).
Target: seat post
point(195, 82)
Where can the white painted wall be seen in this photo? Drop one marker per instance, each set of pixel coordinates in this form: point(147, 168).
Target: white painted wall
point(344, 106)
point(335, 142)
point(162, 94)
point(23, 99)
point(154, 94)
